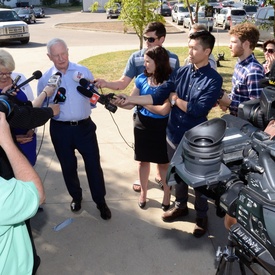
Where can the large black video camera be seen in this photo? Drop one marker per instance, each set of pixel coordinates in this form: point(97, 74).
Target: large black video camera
point(232, 161)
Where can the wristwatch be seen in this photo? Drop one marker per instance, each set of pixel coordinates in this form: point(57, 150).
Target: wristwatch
point(173, 101)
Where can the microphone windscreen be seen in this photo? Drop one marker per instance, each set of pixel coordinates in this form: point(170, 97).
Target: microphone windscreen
point(84, 91)
point(84, 82)
point(77, 76)
point(37, 74)
point(62, 90)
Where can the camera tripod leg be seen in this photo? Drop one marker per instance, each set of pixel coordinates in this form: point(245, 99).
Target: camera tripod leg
point(227, 259)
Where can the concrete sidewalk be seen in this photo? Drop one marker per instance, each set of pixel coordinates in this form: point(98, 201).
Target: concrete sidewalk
point(134, 241)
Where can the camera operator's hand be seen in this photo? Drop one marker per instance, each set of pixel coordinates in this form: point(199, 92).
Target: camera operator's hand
point(270, 129)
point(55, 108)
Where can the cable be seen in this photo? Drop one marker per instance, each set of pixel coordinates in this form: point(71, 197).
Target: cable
point(131, 146)
point(43, 133)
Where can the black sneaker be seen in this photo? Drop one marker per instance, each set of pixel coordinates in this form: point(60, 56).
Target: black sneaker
point(105, 212)
point(75, 205)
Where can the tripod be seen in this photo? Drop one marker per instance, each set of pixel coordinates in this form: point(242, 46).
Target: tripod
point(227, 258)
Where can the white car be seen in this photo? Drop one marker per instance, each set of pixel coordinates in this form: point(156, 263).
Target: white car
point(12, 28)
point(207, 21)
point(229, 17)
point(179, 12)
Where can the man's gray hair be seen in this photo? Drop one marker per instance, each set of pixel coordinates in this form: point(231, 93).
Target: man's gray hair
point(55, 41)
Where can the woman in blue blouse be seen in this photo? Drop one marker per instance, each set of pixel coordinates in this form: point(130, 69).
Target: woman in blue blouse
point(150, 122)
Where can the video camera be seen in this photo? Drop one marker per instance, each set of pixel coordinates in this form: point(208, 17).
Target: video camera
point(232, 161)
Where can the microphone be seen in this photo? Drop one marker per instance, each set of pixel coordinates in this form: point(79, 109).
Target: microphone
point(87, 89)
point(94, 96)
point(60, 95)
point(55, 80)
point(35, 75)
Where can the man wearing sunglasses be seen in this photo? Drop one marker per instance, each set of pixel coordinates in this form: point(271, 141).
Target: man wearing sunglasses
point(248, 71)
point(269, 54)
point(192, 91)
point(154, 35)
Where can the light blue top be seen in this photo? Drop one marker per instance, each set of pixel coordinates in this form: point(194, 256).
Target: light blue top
point(76, 106)
point(18, 201)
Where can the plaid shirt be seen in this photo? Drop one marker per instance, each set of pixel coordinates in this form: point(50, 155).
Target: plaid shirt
point(245, 82)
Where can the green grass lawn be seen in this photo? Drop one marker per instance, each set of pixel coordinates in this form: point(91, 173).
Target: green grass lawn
point(110, 66)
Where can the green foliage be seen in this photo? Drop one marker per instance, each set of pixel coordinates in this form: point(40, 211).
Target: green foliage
point(137, 14)
point(94, 7)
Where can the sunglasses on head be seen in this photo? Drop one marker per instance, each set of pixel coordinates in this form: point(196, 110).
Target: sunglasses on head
point(269, 50)
point(150, 39)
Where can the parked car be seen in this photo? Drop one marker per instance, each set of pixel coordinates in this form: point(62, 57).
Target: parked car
point(27, 15)
point(229, 17)
point(250, 10)
point(171, 4)
point(179, 12)
point(164, 10)
point(113, 12)
point(17, 9)
point(264, 20)
point(207, 21)
point(39, 12)
point(12, 28)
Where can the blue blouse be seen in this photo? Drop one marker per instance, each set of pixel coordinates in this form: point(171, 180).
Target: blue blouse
point(145, 89)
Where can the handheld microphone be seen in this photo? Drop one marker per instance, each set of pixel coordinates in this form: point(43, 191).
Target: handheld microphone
point(60, 95)
point(55, 80)
point(87, 89)
point(35, 75)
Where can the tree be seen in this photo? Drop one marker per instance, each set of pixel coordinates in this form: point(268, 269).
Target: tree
point(137, 14)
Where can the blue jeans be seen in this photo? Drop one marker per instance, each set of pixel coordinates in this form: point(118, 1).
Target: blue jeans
point(201, 204)
point(66, 139)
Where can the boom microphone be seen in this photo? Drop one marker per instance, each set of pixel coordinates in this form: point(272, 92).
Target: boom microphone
point(60, 95)
point(35, 75)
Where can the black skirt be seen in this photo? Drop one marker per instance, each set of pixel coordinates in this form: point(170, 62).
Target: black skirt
point(150, 139)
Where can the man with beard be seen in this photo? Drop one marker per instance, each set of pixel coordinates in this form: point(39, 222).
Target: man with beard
point(248, 71)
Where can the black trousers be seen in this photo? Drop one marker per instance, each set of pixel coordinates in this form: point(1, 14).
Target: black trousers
point(66, 139)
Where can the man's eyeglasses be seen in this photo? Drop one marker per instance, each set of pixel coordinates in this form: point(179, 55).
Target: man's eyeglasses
point(269, 50)
point(5, 74)
point(150, 39)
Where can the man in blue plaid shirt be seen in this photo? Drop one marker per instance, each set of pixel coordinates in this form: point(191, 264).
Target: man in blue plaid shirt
point(248, 71)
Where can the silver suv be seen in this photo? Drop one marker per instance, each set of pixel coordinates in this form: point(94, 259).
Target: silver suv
point(12, 28)
point(264, 20)
point(229, 17)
